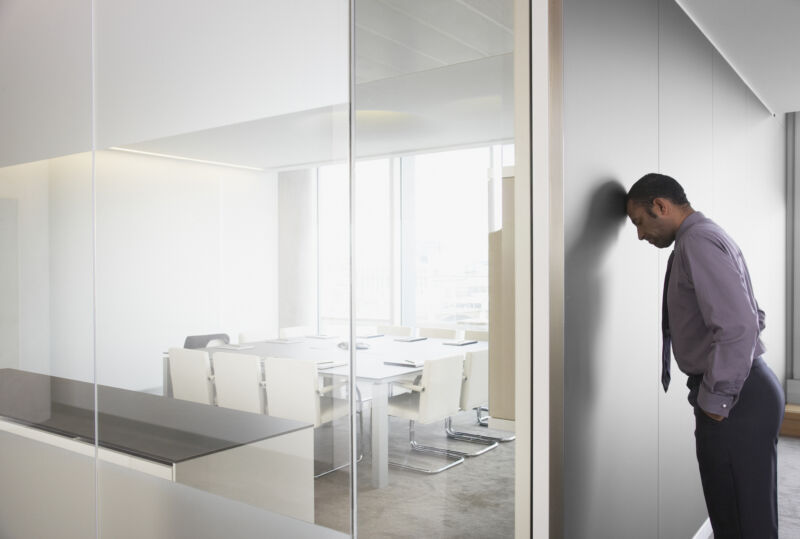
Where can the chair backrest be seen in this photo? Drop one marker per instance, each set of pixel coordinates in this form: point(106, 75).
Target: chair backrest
point(292, 389)
point(441, 379)
point(476, 335)
point(190, 371)
point(395, 331)
point(438, 333)
point(475, 388)
point(238, 380)
point(193, 342)
point(256, 335)
point(294, 332)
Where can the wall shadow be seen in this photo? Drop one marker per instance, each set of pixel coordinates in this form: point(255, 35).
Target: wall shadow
point(583, 305)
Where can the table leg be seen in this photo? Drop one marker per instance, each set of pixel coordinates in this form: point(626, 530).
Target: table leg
point(380, 435)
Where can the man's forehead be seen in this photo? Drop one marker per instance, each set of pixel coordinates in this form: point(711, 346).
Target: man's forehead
point(631, 208)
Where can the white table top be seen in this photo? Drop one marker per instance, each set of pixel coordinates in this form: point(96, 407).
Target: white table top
point(370, 362)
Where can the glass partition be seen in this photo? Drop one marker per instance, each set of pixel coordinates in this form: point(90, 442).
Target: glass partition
point(433, 107)
point(46, 306)
point(221, 405)
point(184, 251)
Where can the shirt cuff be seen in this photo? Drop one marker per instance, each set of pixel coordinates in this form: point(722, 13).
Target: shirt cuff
point(713, 403)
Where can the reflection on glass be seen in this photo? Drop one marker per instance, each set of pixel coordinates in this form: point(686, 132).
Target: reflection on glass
point(191, 265)
point(433, 99)
point(46, 425)
point(208, 267)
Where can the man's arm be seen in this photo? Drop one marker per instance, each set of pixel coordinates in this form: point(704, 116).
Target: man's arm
point(730, 314)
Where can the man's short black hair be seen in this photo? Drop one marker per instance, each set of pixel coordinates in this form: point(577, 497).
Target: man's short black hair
point(652, 186)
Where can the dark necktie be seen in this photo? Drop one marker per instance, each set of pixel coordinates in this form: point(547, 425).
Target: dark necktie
point(667, 343)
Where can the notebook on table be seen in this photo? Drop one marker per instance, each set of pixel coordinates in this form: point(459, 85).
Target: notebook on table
point(410, 339)
point(405, 362)
point(462, 342)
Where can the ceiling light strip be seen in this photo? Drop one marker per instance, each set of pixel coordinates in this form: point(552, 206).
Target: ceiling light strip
point(193, 160)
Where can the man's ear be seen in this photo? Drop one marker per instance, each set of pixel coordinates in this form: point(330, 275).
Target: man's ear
point(661, 206)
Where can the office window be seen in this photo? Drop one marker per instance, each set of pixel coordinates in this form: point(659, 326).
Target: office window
point(451, 215)
point(373, 237)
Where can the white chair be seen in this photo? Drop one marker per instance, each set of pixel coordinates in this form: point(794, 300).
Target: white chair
point(294, 392)
point(394, 331)
point(474, 394)
point(433, 398)
point(190, 372)
point(194, 342)
point(239, 382)
point(476, 335)
point(438, 333)
point(256, 335)
point(294, 332)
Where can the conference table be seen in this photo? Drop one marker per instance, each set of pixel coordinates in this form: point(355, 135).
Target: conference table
point(371, 368)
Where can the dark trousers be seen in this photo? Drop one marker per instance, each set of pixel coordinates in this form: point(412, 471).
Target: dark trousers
point(737, 458)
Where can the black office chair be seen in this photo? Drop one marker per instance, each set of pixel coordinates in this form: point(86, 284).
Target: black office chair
point(193, 342)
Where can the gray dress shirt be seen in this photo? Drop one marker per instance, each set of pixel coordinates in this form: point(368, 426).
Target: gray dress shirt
point(714, 318)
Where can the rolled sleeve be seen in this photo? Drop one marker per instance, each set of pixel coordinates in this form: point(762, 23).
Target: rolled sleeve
point(720, 283)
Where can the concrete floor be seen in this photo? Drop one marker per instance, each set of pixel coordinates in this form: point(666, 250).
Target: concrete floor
point(789, 487)
point(473, 499)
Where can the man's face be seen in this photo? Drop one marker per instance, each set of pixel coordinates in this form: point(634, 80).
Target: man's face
point(652, 224)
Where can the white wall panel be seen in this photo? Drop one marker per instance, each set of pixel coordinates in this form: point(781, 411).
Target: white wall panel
point(248, 247)
point(9, 283)
point(28, 186)
point(70, 236)
point(297, 248)
point(182, 249)
point(644, 92)
point(611, 289)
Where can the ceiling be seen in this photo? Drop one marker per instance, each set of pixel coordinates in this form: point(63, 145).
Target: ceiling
point(760, 40)
point(429, 74)
point(397, 37)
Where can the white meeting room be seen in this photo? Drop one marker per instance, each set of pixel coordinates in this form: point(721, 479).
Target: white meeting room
point(252, 281)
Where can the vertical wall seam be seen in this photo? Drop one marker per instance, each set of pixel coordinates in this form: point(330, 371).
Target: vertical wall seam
point(713, 147)
point(658, 163)
point(351, 128)
point(790, 251)
point(93, 135)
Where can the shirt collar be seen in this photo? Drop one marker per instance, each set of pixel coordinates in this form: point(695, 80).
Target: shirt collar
point(688, 223)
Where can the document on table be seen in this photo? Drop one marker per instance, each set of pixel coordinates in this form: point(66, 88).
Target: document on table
point(322, 365)
point(405, 362)
point(462, 342)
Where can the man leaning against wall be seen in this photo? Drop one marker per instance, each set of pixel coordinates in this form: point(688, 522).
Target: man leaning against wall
point(711, 319)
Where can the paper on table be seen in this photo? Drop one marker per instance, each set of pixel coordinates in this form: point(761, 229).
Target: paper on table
point(405, 362)
point(459, 343)
point(321, 366)
point(410, 339)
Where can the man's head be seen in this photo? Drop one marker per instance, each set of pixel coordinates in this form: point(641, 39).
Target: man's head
point(657, 205)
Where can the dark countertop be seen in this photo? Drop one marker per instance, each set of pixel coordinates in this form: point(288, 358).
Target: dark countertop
point(148, 426)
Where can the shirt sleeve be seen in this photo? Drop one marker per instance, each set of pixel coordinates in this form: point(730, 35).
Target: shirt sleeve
point(730, 313)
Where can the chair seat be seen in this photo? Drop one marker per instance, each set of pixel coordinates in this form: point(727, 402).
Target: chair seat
point(332, 408)
point(405, 405)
